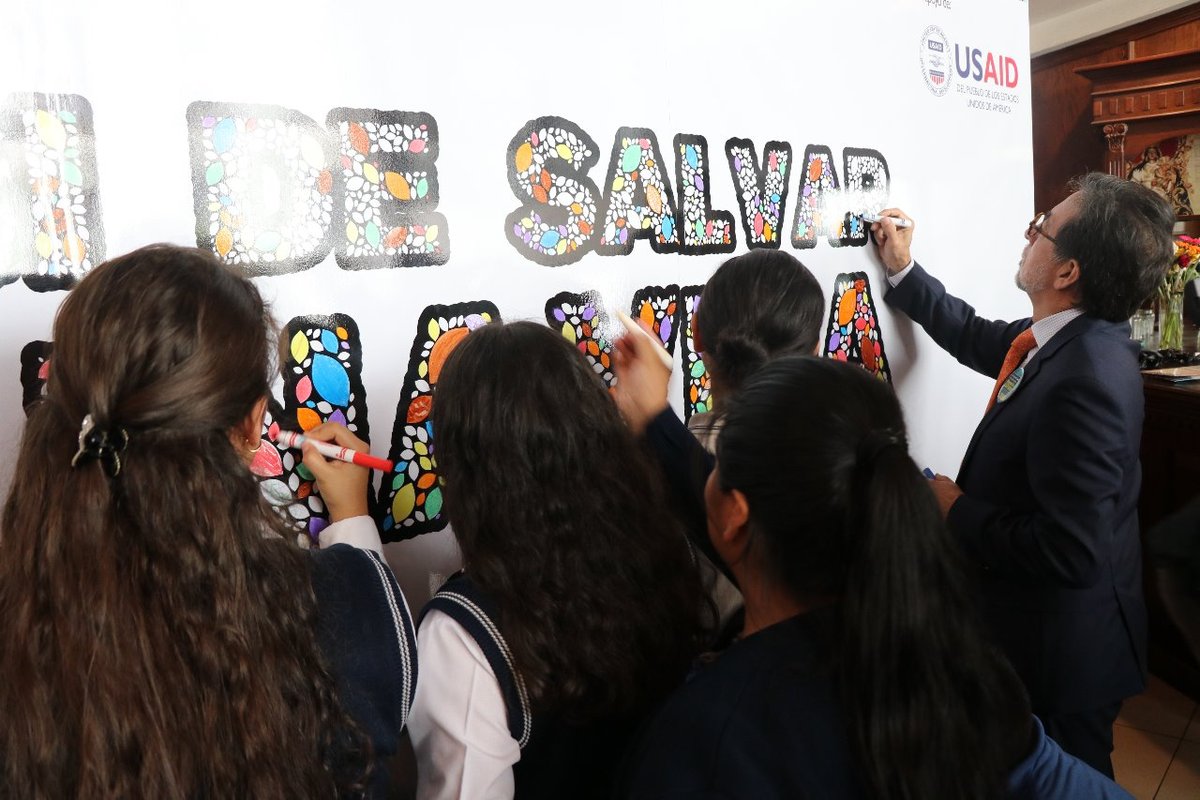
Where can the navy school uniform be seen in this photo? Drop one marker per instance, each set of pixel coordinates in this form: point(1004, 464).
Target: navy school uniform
point(366, 634)
point(559, 758)
point(763, 721)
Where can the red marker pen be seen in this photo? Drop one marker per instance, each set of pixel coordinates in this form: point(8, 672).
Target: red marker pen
point(292, 439)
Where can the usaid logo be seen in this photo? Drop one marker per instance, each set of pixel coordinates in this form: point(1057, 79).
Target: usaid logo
point(982, 66)
point(935, 60)
point(971, 65)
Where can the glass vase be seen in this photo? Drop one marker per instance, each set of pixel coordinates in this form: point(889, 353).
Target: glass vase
point(1170, 324)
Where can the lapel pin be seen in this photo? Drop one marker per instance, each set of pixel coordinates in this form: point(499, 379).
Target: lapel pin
point(1010, 385)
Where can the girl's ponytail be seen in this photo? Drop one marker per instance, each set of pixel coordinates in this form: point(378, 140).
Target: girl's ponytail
point(843, 513)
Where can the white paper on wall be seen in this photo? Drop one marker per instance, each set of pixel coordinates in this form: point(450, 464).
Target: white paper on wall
point(412, 166)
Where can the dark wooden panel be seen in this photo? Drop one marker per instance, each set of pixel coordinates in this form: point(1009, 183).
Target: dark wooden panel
point(1182, 35)
point(1065, 143)
point(1170, 462)
point(1170, 458)
point(1162, 34)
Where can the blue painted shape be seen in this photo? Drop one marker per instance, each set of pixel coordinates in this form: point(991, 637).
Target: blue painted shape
point(329, 340)
point(223, 135)
point(330, 379)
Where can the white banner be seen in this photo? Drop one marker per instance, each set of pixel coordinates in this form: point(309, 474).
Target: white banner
point(395, 174)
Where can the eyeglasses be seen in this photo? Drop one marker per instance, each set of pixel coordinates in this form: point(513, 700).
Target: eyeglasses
point(1035, 226)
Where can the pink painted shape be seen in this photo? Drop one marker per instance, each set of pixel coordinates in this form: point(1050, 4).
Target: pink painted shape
point(266, 463)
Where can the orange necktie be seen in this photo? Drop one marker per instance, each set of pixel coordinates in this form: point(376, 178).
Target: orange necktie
point(1017, 351)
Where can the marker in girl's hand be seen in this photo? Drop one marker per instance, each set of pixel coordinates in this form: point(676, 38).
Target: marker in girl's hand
point(291, 439)
point(928, 473)
point(638, 330)
point(897, 221)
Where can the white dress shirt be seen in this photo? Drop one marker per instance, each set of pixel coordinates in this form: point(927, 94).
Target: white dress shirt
point(459, 722)
point(1046, 327)
point(360, 532)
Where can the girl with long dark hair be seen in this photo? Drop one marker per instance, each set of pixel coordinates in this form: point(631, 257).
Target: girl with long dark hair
point(756, 307)
point(578, 606)
point(861, 669)
point(162, 636)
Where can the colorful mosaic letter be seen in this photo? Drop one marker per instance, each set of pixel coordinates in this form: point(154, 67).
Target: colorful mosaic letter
point(387, 176)
point(410, 499)
point(853, 331)
point(867, 184)
point(697, 387)
point(262, 186)
point(658, 306)
point(35, 369)
point(548, 161)
point(638, 202)
point(704, 230)
point(276, 482)
point(584, 323)
point(819, 185)
point(761, 195)
point(322, 382)
point(51, 230)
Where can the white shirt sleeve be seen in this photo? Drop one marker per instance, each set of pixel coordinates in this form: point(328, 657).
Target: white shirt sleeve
point(894, 280)
point(458, 722)
point(359, 532)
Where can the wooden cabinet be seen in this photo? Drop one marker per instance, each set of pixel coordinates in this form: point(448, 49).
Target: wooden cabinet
point(1170, 478)
point(1138, 102)
point(1170, 449)
point(1112, 80)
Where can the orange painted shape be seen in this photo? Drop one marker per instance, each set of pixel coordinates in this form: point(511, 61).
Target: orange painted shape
point(74, 248)
point(359, 139)
point(224, 242)
point(307, 418)
point(397, 184)
point(419, 409)
point(647, 312)
point(395, 237)
point(442, 349)
point(846, 308)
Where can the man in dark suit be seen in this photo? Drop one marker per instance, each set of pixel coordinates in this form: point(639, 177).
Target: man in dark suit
point(1045, 502)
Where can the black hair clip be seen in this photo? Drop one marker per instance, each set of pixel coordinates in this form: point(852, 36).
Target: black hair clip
point(875, 442)
point(102, 445)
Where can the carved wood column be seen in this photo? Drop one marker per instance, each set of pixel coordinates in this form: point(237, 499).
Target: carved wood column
point(1115, 133)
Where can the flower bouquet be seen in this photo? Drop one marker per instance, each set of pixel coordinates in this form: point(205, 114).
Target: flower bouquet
point(1183, 270)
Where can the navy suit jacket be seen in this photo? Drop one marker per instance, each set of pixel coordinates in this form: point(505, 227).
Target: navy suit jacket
point(1049, 515)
